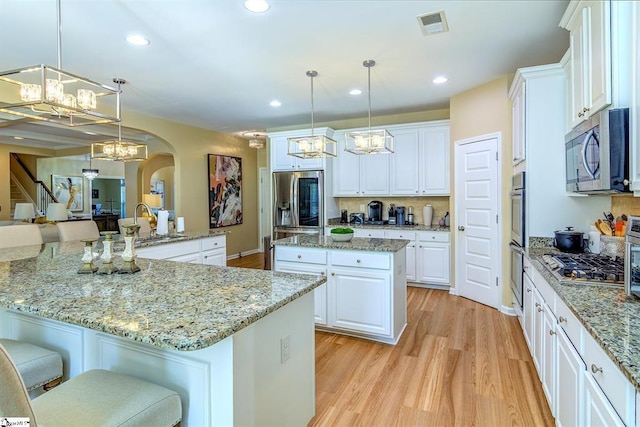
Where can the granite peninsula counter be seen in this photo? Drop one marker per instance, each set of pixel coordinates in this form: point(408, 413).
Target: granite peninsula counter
point(211, 333)
point(366, 290)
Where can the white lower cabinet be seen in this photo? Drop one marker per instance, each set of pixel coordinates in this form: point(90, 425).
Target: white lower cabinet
point(207, 250)
point(433, 257)
point(570, 371)
point(583, 386)
point(365, 293)
point(411, 249)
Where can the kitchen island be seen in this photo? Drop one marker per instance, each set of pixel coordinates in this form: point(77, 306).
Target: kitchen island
point(366, 291)
point(236, 344)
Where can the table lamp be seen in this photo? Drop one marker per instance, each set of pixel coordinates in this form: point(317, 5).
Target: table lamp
point(24, 211)
point(57, 212)
point(153, 200)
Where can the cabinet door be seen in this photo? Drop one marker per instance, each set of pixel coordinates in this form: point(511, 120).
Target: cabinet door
point(346, 172)
point(579, 76)
point(549, 357)
point(599, 42)
point(598, 410)
point(374, 174)
point(280, 160)
point(215, 257)
point(634, 112)
point(569, 381)
point(194, 258)
point(319, 293)
point(433, 262)
point(529, 312)
point(519, 123)
point(538, 345)
point(361, 300)
point(405, 163)
point(434, 161)
point(411, 262)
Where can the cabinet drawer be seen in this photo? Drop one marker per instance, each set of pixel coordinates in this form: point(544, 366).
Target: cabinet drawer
point(614, 384)
point(433, 236)
point(400, 234)
point(311, 256)
point(360, 259)
point(370, 233)
point(213, 243)
point(570, 324)
point(169, 250)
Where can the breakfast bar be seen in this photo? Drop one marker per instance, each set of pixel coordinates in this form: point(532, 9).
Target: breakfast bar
point(224, 338)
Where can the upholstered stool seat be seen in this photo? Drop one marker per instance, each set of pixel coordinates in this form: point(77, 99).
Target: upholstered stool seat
point(94, 398)
point(37, 366)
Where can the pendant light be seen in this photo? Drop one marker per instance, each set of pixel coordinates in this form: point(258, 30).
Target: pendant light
point(49, 94)
point(90, 173)
point(377, 141)
point(119, 150)
point(314, 146)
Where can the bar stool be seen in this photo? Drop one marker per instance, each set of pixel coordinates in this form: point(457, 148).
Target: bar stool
point(12, 236)
point(78, 230)
point(94, 398)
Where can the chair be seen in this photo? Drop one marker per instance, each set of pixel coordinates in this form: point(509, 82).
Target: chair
point(19, 235)
point(145, 227)
point(78, 230)
point(94, 398)
point(37, 366)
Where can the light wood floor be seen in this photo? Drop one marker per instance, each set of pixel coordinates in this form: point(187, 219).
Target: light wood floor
point(458, 363)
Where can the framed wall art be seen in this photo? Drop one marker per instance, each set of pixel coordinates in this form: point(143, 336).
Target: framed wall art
point(69, 190)
point(225, 190)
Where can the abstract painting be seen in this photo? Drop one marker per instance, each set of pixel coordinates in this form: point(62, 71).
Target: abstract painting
point(225, 190)
point(68, 190)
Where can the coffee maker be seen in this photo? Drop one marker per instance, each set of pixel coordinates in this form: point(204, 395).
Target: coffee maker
point(375, 211)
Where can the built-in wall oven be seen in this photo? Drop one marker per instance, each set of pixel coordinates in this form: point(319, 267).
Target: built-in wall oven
point(517, 234)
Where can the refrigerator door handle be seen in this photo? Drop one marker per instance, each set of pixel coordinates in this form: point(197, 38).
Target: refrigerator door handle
point(295, 215)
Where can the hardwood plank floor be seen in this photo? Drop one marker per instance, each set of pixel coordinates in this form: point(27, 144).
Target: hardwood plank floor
point(458, 363)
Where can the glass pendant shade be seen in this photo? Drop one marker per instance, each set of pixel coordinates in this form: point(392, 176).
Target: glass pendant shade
point(118, 150)
point(314, 146)
point(256, 143)
point(90, 174)
point(371, 141)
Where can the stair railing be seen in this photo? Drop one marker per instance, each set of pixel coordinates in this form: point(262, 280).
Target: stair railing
point(44, 196)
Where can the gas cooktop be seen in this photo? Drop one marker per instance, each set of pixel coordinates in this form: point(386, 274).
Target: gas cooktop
point(586, 268)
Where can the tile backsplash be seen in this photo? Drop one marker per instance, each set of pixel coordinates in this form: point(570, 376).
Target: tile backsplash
point(625, 204)
point(440, 205)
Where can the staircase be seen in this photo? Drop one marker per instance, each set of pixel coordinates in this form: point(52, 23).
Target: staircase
point(17, 195)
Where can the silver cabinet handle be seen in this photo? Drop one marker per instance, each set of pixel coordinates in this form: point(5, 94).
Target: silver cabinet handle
point(461, 228)
point(299, 256)
point(333, 274)
point(528, 289)
point(562, 319)
point(595, 369)
point(552, 333)
point(322, 273)
point(537, 304)
point(358, 261)
point(539, 309)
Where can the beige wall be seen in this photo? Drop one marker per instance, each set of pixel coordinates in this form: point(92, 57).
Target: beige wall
point(479, 111)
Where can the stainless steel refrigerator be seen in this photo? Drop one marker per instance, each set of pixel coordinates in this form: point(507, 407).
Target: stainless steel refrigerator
point(298, 203)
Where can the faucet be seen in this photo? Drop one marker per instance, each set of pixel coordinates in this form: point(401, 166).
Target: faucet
point(153, 220)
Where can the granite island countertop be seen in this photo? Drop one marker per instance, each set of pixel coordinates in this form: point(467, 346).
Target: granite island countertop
point(167, 304)
point(611, 318)
point(355, 244)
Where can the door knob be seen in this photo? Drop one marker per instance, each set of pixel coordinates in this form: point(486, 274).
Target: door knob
point(461, 228)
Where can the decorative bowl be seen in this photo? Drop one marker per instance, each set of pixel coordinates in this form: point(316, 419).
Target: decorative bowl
point(341, 234)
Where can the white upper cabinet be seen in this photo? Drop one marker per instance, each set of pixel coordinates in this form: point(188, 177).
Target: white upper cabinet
point(279, 147)
point(634, 113)
point(518, 128)
point(419, 165)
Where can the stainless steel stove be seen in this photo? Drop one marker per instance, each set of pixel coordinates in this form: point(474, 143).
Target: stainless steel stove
point(586, 268)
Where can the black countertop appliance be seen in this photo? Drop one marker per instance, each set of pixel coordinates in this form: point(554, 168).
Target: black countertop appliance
point(375, 211)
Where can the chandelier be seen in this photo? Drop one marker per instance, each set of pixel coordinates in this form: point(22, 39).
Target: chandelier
point(90, 173)
point(256, 139)
point(119, 150)
point(46, 93)
point(377, 141)
point(314, 146)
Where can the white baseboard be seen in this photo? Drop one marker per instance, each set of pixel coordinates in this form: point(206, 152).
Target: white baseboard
point(251, 252)
point(509, 311)
point(453, 291)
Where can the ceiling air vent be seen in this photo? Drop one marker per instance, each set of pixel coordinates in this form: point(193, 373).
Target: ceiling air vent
point(433, 23)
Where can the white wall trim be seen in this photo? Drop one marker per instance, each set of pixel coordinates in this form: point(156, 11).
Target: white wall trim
point(509, 311)
point(453, 291)
point(245, 253)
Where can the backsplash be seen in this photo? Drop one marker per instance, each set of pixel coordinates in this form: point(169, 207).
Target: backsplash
point(440, 205)
point(625, 204)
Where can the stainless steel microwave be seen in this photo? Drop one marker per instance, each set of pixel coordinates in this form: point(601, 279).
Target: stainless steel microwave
point(597, 154)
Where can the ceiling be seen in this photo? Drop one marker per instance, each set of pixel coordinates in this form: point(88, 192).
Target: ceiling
point(215, 65)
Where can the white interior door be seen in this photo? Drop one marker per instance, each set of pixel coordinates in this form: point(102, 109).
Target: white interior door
point(476, 206)
point(264, 206)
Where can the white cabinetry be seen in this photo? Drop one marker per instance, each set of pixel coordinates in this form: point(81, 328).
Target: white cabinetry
point(518, 128)
point(207, 250)
point(365, 293)
point(356, 175)
point(410, 248)
point(634, 114)
point(589, 24)
point(279, 147)
point(433, 257)
point(570, 374)
point(419, 165)
point(528, 312)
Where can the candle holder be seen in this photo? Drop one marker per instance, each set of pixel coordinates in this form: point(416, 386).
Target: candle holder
point(129, 254)
point(108, 267)
point(88, 267)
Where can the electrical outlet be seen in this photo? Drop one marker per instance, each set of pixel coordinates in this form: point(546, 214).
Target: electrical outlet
point(361, 208)
point(285, 348)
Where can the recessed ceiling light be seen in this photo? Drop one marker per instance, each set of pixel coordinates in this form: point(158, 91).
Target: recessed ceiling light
point(355, 92)
point(137, 40)
point(18, 137)
point(275, 103)
point(256, 6)
point(440, 79)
